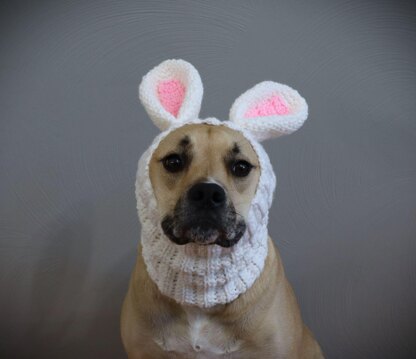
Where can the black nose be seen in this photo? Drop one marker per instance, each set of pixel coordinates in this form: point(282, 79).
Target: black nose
point(207, 195)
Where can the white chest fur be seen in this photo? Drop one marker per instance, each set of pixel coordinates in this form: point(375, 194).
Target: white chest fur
point(203, 338)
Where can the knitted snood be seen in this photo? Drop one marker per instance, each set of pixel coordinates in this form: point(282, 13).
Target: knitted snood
point(199, 275)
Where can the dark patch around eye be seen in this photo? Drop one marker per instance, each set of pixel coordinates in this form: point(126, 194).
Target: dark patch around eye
point(233, 154)
point(241, 168)
point(183, 149)
point(235, 157)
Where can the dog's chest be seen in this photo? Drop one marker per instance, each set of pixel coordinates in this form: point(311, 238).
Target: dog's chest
point(199, 337)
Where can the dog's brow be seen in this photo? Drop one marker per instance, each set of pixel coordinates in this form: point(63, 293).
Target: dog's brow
point(185, 141)
point(185, 148)
point(236, 149)
point(233, 152)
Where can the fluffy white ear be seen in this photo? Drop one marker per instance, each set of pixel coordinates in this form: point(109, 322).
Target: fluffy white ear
point(171, 93)
point(269, 109)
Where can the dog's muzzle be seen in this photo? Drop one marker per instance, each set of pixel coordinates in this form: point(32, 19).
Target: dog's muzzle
point(204, 215)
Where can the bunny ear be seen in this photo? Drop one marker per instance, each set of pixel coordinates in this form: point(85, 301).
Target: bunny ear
point(171, 93)
point(269, 109)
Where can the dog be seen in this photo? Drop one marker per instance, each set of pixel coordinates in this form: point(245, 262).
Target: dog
point(208, 280)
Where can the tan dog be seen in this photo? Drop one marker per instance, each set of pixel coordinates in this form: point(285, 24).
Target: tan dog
point(204, 178)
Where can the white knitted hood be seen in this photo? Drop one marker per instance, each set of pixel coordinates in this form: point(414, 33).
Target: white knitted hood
point(209, 275)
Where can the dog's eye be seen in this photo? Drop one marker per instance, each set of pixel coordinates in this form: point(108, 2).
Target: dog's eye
point(173, 163)
point(241, 168)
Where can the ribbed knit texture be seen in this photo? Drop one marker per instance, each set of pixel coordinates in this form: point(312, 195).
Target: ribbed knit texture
point(205, 275)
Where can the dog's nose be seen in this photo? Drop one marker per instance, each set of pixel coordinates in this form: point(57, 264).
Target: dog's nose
point(207, 195)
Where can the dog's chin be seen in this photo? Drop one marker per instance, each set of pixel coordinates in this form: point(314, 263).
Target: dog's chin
point(203, 233)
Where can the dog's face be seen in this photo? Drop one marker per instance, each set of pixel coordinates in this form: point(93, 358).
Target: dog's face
point(204, 178)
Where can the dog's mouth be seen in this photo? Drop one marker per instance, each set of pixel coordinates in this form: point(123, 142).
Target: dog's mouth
point(224, 228)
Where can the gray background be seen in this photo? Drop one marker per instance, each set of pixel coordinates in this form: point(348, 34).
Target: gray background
point(71, 132)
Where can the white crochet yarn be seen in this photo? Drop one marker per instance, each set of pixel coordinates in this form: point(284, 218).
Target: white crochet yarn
point(179, 70)
point(194, 274)
point(270, 126)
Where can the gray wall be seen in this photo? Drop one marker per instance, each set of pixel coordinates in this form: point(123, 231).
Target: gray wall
point(71, 131)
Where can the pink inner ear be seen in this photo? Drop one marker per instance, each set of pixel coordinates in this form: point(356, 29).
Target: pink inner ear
point(171, 94)
point(274, 105)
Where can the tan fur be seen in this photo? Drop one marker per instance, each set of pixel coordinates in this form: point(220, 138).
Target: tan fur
point(209, 145)
point(264, 322)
